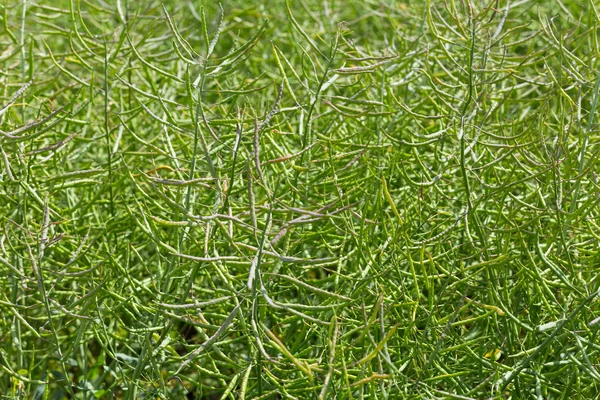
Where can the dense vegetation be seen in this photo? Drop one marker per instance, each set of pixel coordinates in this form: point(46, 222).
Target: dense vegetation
point(311, 199)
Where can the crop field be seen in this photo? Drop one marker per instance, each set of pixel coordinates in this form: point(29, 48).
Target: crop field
point(299, 199)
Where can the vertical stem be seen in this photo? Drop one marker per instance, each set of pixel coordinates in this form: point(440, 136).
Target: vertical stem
point(188, 193)
point(15, 282)
point(22, 40)
point(462, 120)
point(586, 135)
point(463, 169)
point(107, 131)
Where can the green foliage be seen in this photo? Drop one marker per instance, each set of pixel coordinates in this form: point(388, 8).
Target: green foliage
point(299, 199)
